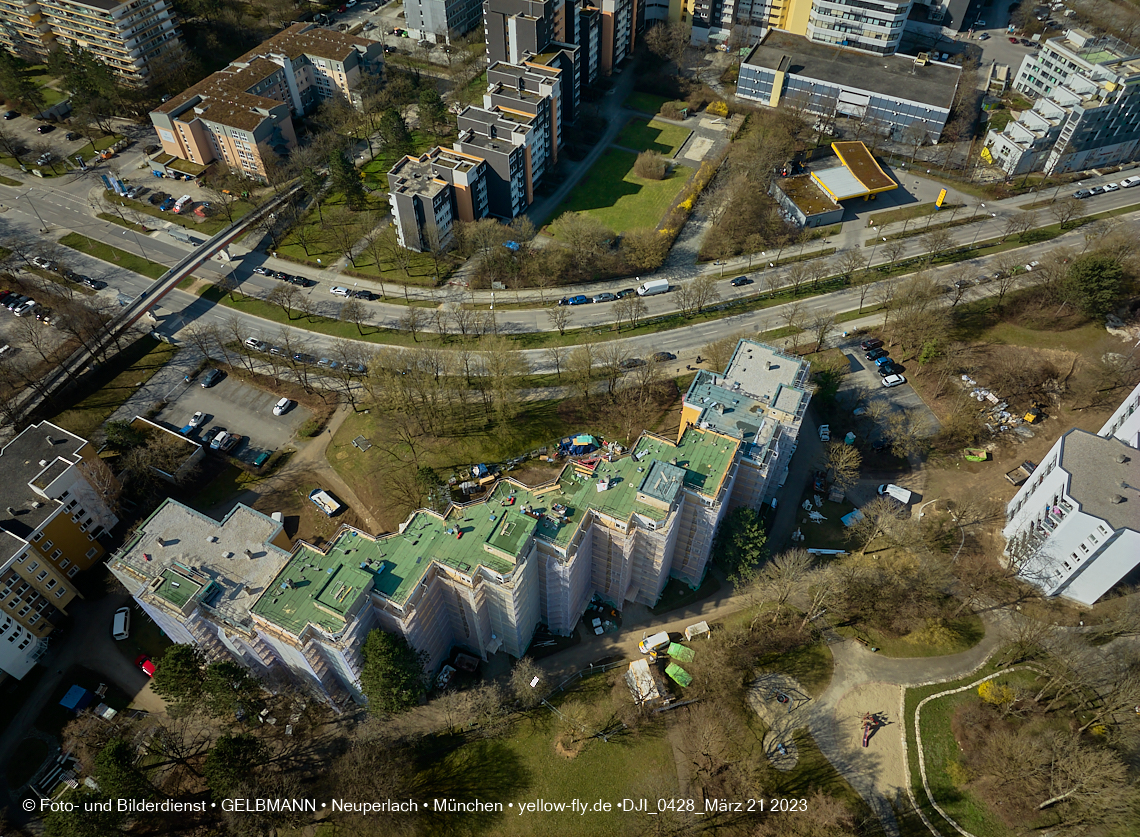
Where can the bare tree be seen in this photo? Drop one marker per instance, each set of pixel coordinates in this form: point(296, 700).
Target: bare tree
point(1019, 223)
point(559, 316)
point(557, 356)
point(611, 359)
point(842, 463)
point(821, 327)
point(287, 295)
point(936, 241)
point(1067, 209)
point(412, 321)
point(354, 311)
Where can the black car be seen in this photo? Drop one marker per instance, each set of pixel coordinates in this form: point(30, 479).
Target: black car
point(740, 280)
point(363, 295)
point(212, 377)
point(873, 343)
point(300, 281)
point(93, 284)
point(875, 354)
point(662, 357)
point(303, 357)
point(632, 363)
point(11, 114)
point(281, 275)
point(625, 293)
point(890, 368)
point(46, 128)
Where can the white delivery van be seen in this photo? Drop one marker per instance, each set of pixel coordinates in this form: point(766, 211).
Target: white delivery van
point(121, 626)
point(654, 643)
point(897, 492)
point(656, 286)
point(325, 501)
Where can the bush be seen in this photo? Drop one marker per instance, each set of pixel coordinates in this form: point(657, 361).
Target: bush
point(718, 109)
point(672, 110)
point(310, 428)
point(651, 166)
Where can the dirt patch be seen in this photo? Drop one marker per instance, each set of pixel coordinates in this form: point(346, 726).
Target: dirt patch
point(568, 750)
point(880, 765)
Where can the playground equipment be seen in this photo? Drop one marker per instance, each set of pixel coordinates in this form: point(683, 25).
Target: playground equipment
point(871, 722)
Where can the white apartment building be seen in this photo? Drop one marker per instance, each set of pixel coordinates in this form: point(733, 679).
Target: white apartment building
point(1073, 529)
point(132, 37)
point(1086, 112)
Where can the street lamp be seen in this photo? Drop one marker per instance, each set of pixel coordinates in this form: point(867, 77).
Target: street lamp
point(976, 232)
point(976, 208)
point(871, 260)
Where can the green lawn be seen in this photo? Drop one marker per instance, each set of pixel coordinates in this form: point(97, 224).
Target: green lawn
point(8, 181)
point(114, 255)
point(617, 197)
point(811, 665)
point(652, 135)
point(965, 633)
point(376, 170)
point(110, 386)
point(645, 102)
point(903, 213)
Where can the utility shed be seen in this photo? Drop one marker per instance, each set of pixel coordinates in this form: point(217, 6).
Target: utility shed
point(641, 683)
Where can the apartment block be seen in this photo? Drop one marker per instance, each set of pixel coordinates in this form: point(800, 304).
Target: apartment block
point(132, 38)
point(243, 112)
point(1086, 113)
point(50, 527)
point(430, 192)
point(1072, 529)
point(889, 92)
point(438, 21)
point(615, 524)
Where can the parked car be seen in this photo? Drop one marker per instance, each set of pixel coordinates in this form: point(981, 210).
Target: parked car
point(46, 128)
point(328, 363)
point(1013, 40)
point(1111, 187)
point(24, 308)
point(337, 290)
point(873, 343)
point(11, 114)
point(212, 377)
point(893, 380)
point(93, 284)
point(276, 351)
point(879, 361)
point(1081, 194)
point(121, 623)
point(143, 661)
point(304, 357)
point(875, 354)
point(231, 441)
point(196, 419)
point(219, 438)
point(578, 299)
point(71, 136)
point(283, 406)
point(624, 293)
point(42, 263)
point(1096, 190)
point(632, 363)
point(255, 344)
point(166, 204)
point(1129, 182)
point(363, 295)
point(663, 357)
point(15, 301)
point(263, 271)
point(740, 280)
point(604, 297)
point(889, 368)
point(983, 37)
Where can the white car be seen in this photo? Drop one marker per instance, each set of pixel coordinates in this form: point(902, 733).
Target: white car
point(42, 263)
point(893, 380)
point(339, 291)
point(24, 308)
point(255, 344)
point(282, 407)
point(1111, 187)
point(196, 419)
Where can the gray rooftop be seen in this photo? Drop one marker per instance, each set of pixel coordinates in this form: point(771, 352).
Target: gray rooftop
point(662, 481)
point(31, 458)
point(231, 563)
point(759, 370)
point(890, 75)
point(1097, 477)
point(841, 182)
point(415, 176)
point(725, 411)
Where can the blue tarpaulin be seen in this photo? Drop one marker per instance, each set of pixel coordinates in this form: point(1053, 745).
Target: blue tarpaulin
point(77, 699)
point(578, 445)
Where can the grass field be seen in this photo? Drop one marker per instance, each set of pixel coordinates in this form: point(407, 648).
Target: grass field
point(966, 632)
point(652, 135)
point(114, 255)
point(209, 226)
point(112, 384)
point(645, 102)
point(811, 665)
point(903, 213)
point(376, 170)
point(617, 197)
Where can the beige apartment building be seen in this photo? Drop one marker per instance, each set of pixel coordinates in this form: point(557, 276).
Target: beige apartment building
point(133, 38)
point(51, 519)
point(243, 112)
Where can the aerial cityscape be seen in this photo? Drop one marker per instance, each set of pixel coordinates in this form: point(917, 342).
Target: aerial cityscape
point(583, 417)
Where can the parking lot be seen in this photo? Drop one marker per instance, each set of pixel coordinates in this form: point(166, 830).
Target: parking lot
point(239, 408)
point(863, 380)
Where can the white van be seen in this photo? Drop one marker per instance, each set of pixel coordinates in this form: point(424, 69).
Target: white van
point(654, 643)
point(896, 492)
point(656, 286)
point(121, 626)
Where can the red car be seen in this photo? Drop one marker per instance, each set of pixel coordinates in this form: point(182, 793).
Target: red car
point(1014, 41)
point(143, 662)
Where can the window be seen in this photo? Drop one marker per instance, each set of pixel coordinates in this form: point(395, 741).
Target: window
point(63, 564)
point(35, 617)
point(32, 567)
point(41, 576)
point(1093, 539)
point(46, 546)
point(92, 552)
point(37, 536)
point(20, 560)
point(61, 592)
point(71, 573)
point(55, 555)
point(1084, 548)
point(51, 584)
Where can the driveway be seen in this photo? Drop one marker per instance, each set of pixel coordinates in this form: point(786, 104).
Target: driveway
point(239, 408)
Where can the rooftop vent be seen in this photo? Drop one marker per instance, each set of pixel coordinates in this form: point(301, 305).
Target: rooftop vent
point(50, 440)
point(1122, 458)
point(11, 510)
point(211, 539)
point(43, 462)
point(249, 554)
point(1117, 499)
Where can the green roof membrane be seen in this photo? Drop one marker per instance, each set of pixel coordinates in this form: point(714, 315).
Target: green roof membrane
point(489, 534)
point(177, 588)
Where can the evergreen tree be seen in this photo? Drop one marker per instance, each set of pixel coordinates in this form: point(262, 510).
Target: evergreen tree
point(231, 761)
point(392, 677)
point(433, 111)
point(741, 543)
point(1094, 283)
point(116, 773)
point(394, 131)
point(346, 180)
point(226, 687)
point(178, 676)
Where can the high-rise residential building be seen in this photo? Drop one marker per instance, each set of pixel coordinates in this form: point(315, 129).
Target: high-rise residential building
point(429, 193)
point(1072, 529)
point(439, 21)
point(1086, 113)
point(615, 525)
point(874, 26)
point(133, 38)
point(241, 113)
point(50, 526)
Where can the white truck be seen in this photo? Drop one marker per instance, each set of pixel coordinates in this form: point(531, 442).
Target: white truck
point(325, 501)
point(896, 492)
point(654, 286)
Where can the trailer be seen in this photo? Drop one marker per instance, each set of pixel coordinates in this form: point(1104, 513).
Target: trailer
point(1021, 473)
point(325, 501)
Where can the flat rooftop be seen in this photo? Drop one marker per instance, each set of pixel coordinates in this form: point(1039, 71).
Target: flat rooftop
point(1097, 477)
point(415, 176)
point(891, 75)
point(857, 159)
point(725, 411)
point(180, 553)
point(807, 194)
point(32, 458)
point(487, 534)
